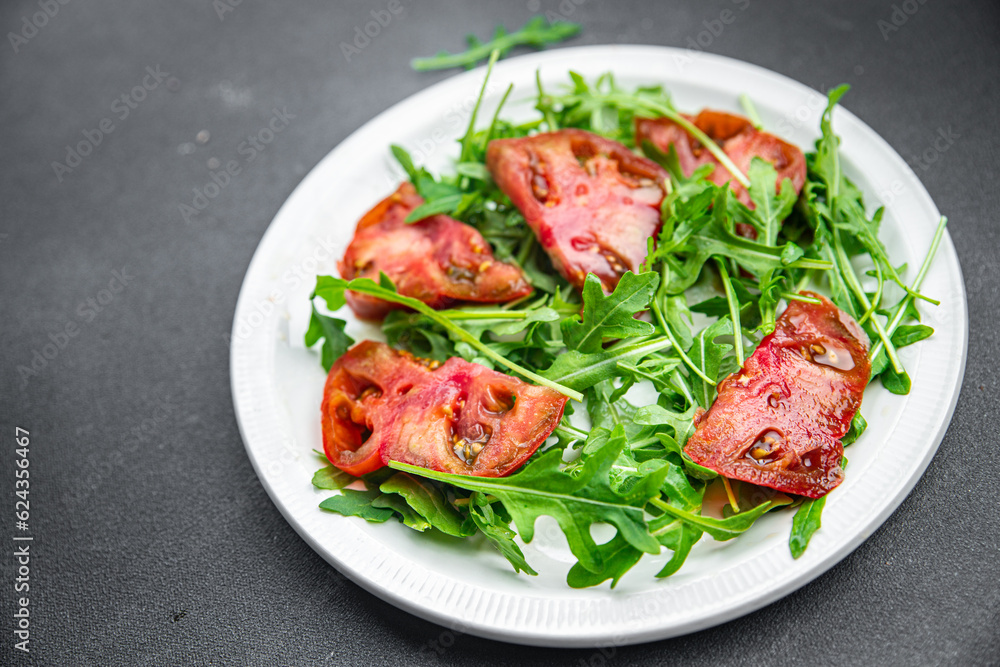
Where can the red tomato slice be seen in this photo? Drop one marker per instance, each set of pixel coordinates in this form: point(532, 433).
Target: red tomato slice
point(739, 139)
point(382, 405)
point(778, 421)
point(438, 260)
point(591, 201)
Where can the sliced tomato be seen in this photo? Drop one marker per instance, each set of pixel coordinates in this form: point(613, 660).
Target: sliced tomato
point(437, 260)
point(739, 139)
point(591, 201)
point(778, 421)
point(359, 387)
point(382, 405)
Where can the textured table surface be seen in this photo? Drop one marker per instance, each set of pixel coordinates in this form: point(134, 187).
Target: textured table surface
point(154, 544)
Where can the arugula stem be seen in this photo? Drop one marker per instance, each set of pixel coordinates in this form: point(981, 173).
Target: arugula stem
point(550, 119)
point(806, 279)
point(734, 311)
point(730, 495)
point(536, 32)
point(673, 341)
point(370, 287)
point(877, 297)
point(496, 116)
point(897, 317)
point(750, 110)
point(666, 528)
point(485, 314)
point(571, 432)
point(471, 130)
point(691, 129)
point(525, 250)
point(851, 277)
point(798, 297)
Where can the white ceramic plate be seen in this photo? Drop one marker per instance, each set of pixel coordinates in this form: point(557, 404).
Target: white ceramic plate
point(466, 585)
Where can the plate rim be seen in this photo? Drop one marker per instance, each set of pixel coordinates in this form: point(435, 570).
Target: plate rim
point(545, 636)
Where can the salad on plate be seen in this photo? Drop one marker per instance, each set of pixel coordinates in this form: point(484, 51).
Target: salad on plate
point(616, 313)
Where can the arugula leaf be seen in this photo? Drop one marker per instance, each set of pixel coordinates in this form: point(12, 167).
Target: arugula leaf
point(498, 532)
point(719, 529)
point(611, 316)
point(332, 291)
point(574, 501)
point(707, 355)
point(331, 478)
point(910, 334)
point(358, 503)
point(618, 556)
point(331, 330)
point(578, 370)
point(770, 208)
point(537, 33)
point(427, 501)
point(447, 204)
point(685, 537)
point(407, 514)
point(806, 522)
point(897, 383)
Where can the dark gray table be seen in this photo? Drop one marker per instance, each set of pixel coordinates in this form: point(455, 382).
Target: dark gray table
point(153, 542)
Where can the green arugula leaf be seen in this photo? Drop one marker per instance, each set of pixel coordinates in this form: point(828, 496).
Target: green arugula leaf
point(407, 514)
point(719, 529)
point(707, 356)
point(357, 503)
point(618, 556)
point(897, 383)
point(427, 501)
point(537, 33)
point(910, 334)
point(498, 532)
point(681, 541)
point(806, 522)
point(611, 316)
point(331, 331)
point(574, 501)
point(858, 426)
point(331, 478)
point(447, 204)
point(770, 208)
point(332, 291)
point(578, 370)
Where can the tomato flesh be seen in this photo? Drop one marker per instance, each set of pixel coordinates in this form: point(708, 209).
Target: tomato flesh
point(738, 138)
point(437, 260)
point(778, 421)
point(383, 405)
point(591, 201)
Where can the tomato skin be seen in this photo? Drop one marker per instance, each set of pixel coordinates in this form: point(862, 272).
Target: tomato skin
point(357, 389)
point(800, 388)
point(432, 416)
point(739, 139)
point(591, 201)
point(438, 260)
